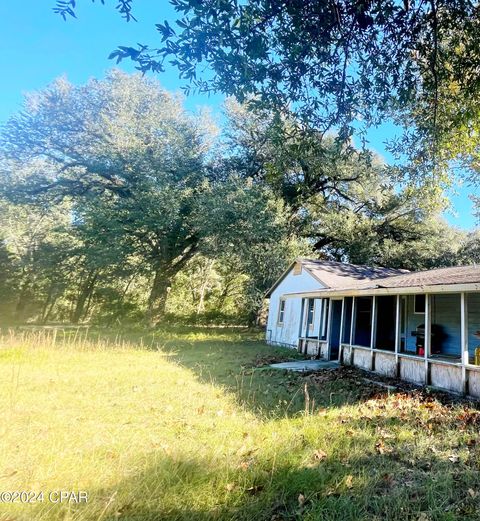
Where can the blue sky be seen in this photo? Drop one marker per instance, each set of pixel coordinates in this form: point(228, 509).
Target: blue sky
point(38, 46)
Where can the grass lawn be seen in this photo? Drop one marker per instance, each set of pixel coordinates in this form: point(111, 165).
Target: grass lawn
point(191, 424)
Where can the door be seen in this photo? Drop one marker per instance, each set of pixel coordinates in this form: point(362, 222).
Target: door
point(335, 327)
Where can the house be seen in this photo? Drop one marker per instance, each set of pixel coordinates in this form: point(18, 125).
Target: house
point(423, 327)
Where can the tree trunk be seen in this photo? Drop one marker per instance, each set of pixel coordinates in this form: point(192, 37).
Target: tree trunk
point(85, 293)
point(24, 298)
point(157, 299)
point(87, 306)
point(48, 304)
point(203, 287)
point(50, 309)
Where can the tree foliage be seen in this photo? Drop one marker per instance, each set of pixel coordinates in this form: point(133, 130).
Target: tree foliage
point(334, 63)
point(143, 194)
point(118, 205)
point(129, 157)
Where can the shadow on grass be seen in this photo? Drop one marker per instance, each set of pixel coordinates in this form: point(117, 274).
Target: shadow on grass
point(339, 488)
point(357, 480)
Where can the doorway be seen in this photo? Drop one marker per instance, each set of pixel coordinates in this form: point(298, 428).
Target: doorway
point(335, 327)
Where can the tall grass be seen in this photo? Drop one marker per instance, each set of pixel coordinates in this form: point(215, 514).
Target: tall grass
point(187, 425)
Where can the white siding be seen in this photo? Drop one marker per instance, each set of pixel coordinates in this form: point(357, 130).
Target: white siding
point(287, 333)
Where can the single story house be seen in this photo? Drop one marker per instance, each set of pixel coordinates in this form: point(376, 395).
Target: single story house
point(423, 327)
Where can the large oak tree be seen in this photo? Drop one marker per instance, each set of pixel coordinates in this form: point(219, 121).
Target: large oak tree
point(128, 156)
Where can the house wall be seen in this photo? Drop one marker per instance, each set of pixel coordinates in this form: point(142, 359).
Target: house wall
point(413, 321)
point(473, 311)
point(287, 333)
point(317, 316)
point(445, 311)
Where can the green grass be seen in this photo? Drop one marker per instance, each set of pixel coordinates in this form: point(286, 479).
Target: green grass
point(190, 424)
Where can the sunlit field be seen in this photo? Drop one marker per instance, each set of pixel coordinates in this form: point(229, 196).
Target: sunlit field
point(192, 424)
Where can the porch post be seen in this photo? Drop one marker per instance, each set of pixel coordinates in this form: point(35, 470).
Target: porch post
point(319, 311)
point(372, 333)
point(428, 337)
point(329, 324)
point(397, 336)
point(352, 328)
point(353, 321)
point(342, 322)
point(464, 340)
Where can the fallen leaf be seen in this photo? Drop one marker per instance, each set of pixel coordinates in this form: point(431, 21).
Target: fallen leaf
point(423, 517)
point(230, 486)
point(472, 493)
point(349, 481)
point(254, 490)
point(8, 473)
point(319, 455)
point(244, 465)
point(388, 479)
point(301, 500)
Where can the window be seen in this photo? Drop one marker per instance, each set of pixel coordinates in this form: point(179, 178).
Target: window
point(419, 305)
point(310, 313)
point(281, 311)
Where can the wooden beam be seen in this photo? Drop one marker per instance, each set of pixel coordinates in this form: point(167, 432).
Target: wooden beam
point(397, 334)
point(464, 340)
point(352, 328)
point(414, 290)
point(372, 332)
point(428, 337)
point(340, 340)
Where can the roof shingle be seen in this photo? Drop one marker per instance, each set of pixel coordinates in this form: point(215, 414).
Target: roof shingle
point(434, 277)
point(336, 275)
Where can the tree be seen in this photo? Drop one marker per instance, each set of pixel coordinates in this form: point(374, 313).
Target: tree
point(36, 249)
point(345, 203)
point(297, 162)
point(334, 63)
point(256, 234)
point(130, 159)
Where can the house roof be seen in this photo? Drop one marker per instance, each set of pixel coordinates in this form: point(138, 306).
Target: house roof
point(338, 275)
point(434, 277)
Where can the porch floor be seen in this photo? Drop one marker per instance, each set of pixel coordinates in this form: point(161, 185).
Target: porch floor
point(306, 365)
